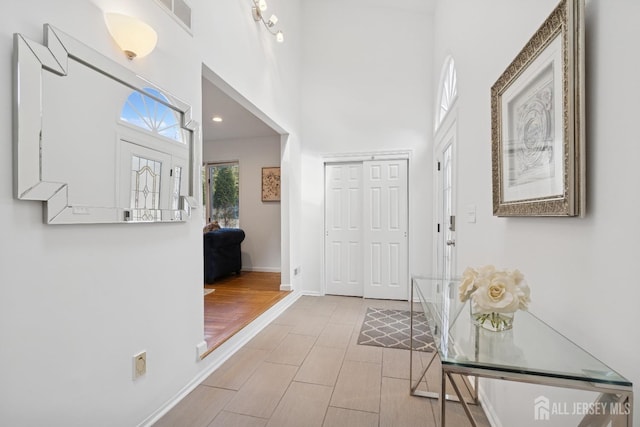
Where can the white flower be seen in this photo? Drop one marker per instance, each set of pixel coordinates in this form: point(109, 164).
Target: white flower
point(472, 279)
point(486, 271)
point(468, 284)
point(498, 295)
point(524, 294)
point(494, 291)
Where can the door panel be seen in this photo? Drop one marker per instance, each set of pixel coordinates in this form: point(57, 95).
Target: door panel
point(385, 229)
point(343, 229)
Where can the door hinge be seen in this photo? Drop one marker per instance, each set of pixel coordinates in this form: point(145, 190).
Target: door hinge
point(438, 227)
point(438, 165)
point(170, 172)
point(452, 223)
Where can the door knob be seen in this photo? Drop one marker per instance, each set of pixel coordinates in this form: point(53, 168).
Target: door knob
point(451, 242)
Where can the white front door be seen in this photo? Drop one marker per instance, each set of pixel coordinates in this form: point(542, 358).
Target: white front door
point(445, 208)
point(385, 229)
point(343, 229)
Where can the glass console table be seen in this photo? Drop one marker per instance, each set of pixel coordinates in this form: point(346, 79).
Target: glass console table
point(532, 352)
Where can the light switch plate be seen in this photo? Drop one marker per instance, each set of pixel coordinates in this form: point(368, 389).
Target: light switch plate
point(471, 213)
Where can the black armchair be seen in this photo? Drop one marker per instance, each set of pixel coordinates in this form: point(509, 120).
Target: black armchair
point(222, 254)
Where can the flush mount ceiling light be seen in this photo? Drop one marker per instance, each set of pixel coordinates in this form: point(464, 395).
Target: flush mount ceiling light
point(217, 119)
point(258, 9)
point(136, 38)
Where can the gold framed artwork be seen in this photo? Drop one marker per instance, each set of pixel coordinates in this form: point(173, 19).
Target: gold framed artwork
point(271, 184)
point(537, 122)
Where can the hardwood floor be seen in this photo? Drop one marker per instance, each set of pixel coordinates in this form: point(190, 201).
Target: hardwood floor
point(238, 300)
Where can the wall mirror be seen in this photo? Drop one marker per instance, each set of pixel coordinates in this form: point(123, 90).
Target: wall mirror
point(94, 141)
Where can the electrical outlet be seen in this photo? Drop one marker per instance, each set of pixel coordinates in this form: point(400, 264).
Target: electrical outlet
point(139, 365)
point(296, 271)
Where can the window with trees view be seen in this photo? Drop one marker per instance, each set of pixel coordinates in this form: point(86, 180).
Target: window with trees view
point(222, 184)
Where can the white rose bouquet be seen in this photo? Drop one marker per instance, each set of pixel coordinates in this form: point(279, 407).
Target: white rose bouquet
point(495, 295)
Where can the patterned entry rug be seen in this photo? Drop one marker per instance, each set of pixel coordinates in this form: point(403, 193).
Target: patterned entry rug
point(390, 328)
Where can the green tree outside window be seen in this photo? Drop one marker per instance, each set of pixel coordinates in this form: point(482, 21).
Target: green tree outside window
point(224, 194)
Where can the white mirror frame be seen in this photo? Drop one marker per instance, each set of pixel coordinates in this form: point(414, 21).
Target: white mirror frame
point(30, 61)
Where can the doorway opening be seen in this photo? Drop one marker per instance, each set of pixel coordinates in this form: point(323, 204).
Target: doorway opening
point(237, 143)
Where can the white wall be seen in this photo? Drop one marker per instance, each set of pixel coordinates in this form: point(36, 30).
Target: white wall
point(580, 270)
point(259, 220)
point(79, 301)
point(366, 73)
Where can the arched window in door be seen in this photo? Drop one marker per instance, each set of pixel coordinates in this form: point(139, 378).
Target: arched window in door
point(447, 92)
point(148, 113)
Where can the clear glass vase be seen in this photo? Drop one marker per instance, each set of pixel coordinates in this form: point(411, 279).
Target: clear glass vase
point(493, 321)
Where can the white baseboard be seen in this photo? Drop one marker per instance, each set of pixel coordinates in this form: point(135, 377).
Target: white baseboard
point(262, 269)
point(493, 418)
point(312, 293)
point(284, 287)
point(222, 353)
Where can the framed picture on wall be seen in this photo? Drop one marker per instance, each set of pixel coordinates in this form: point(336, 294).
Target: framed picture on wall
point(271, 184)
point(537, 122)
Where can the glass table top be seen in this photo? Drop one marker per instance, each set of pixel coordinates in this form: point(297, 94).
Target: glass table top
point(531, 347)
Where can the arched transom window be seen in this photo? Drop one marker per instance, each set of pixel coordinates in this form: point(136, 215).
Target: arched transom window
point(148, 113)
point(448, 90)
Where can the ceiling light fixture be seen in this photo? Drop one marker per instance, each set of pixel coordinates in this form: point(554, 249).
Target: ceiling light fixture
point(217, 119)
point(134, 37)
point(260, 6)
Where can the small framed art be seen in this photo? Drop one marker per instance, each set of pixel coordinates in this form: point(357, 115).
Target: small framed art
point(271, 184)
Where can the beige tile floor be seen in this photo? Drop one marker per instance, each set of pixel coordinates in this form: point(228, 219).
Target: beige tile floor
point(306, 369)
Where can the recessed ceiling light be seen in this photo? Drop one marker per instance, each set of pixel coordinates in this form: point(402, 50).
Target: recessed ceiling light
point(217, 119)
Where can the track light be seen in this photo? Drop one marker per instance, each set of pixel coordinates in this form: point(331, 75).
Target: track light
point(260, 6)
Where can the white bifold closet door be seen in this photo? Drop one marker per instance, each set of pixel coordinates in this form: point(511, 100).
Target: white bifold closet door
point(343, 229)
point(366, 219)
point(385, 229)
